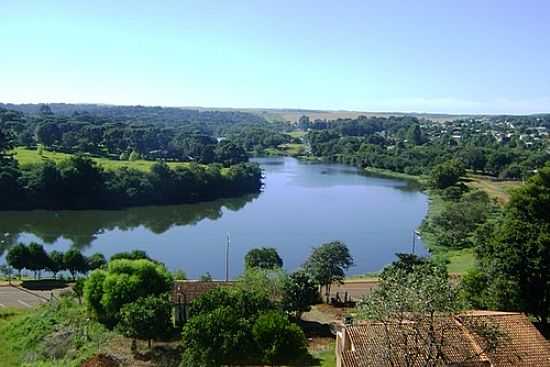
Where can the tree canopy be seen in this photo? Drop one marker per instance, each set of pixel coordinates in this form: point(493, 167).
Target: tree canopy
point(328, 264)
point(515, 253)
point(123, 282)
point(263, 258)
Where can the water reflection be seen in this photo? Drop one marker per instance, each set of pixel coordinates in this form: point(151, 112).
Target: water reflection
point(81, 228)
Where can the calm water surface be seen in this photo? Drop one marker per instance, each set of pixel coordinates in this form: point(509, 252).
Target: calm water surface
point(302, 205)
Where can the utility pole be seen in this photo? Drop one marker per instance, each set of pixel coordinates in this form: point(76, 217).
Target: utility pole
point(414, 242)
point(228, 241)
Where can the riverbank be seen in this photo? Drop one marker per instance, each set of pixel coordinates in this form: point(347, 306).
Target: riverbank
point(422, 180)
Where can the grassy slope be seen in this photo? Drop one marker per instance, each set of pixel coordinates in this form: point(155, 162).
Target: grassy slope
point(33, 337)
point(498, 190)
point(29, 156)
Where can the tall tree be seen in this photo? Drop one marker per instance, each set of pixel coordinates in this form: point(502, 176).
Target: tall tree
point(75, 262)
point(56, 262)
point(38, 259)
point(446, 174)
point(517, 256)
point(328, 264)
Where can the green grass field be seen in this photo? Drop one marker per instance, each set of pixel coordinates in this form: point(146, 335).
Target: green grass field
point(27, 157)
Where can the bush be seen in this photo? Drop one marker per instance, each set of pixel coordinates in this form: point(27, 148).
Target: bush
point(278, 340)
point(124, 281)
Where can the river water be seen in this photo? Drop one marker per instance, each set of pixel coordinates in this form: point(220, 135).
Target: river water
point(301, 206)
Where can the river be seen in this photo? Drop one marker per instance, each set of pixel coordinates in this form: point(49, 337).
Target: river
point(301, 206)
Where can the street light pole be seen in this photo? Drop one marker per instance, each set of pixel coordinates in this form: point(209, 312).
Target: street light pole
point(228, 241)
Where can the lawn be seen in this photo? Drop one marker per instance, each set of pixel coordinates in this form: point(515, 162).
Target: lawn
point(27, 157)
point(297, 133)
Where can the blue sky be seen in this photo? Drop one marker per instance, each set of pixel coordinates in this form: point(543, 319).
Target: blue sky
point(424, 56)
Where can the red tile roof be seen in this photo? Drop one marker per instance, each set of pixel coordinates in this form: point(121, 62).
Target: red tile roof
point(375, 344)
point(185, 291)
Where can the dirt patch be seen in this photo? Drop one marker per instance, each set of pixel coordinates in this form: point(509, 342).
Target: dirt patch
point(101, 360)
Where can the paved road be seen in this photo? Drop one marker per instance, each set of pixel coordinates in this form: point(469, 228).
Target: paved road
point(354, 288)
point(21, 298)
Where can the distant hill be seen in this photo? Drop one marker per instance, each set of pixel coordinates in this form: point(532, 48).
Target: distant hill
point(146, 114)
point(221, 114)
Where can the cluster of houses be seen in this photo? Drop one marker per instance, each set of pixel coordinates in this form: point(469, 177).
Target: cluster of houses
point(501, 130)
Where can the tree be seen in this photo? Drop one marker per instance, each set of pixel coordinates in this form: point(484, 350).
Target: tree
point(299, 293)
point(78, 289)
point(17, 257)
point(415, 136)
point(446, 174)
point(38, 259)
point(328, 263)
point(516, 256)
point(147, 318)
point(280, 342)
point(416, 308)
point(263, 258)
point(235, 326)
point(216, 338)
point(267, 282)
point(124, 281)
point(475, 158)
point(75, 262)
point(229, 153)
point(96, 261)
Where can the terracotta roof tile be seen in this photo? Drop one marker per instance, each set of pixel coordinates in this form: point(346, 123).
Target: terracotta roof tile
point(186, 291)
point(522, 346)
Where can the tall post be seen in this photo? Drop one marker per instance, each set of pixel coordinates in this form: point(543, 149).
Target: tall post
point(228, 241)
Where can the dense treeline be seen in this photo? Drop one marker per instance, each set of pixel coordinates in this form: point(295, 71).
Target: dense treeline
point(513, 254)
point(143, 114)
point(408, 145)
point(101, 136)
point(256, 139)
point(79, 183)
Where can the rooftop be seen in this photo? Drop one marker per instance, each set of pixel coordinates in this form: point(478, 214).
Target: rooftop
point(406, 343)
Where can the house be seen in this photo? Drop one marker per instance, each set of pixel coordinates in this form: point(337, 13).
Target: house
point(186, 291)
point(377, 344)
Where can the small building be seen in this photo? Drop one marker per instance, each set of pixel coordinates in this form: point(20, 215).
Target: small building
point(186, 291)
point(377, 344)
